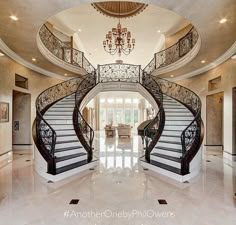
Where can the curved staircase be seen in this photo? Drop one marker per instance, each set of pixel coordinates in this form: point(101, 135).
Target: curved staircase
point(172, 139)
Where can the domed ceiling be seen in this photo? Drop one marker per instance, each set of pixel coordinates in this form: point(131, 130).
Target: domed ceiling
point(119, 9)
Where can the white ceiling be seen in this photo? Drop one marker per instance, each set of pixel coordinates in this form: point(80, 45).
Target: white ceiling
point(94, 27)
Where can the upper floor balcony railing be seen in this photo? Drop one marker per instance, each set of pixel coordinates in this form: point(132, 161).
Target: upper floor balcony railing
point(63, 51)
point(175, 52)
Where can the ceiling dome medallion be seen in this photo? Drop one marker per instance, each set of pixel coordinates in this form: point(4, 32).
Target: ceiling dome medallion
point(127, 9)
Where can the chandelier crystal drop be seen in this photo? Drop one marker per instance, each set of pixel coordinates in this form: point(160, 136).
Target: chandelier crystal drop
point(119, 40)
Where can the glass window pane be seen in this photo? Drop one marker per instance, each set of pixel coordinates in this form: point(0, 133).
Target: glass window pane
point(128, 100)
point(119, 100)
point(109, 116)
point(135, 116)
point(102, 100)
point(127, 116)
point(118, 116)
point(110, 100)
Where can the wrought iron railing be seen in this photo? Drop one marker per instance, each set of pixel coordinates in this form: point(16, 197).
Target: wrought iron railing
point(62, 50)
point(192, 136)
point(45, 134)
point(119, 72)
point(153, 130)
point(83, 130)
point(174, 53)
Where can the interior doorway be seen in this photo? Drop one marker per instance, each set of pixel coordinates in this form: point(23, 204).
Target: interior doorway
point(214, 121)
point(21, 121)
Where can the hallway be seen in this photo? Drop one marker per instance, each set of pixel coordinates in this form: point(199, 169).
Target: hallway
point(120, 190)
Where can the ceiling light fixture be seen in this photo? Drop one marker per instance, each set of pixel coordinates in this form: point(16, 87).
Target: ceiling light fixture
point(171, 75)
point(15, 18)
point(80, 30)
point(1, 54)
point(233, 57)
point(159, 31)
point(119, 40)
point(65, 74)
point(223, 20)
point(33, 59)
point(203, 61)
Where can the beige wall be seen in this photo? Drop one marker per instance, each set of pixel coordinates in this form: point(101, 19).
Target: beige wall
point(199, 84)
point(172, 39)
point(37, 83)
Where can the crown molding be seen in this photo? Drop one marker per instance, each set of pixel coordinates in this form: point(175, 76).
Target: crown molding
point(228, 54)
point(27, 64)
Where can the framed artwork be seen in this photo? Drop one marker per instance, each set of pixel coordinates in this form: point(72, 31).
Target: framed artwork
point(4, 112)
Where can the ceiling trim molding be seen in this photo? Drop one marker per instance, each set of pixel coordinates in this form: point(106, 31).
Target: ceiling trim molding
point(27, 64)
point(58, 62)
point(228, 54)
point(181, 62)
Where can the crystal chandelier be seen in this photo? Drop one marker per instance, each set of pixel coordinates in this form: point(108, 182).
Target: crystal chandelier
point(119, 40)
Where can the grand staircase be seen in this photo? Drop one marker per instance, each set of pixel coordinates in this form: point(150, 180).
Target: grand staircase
point(64, 140)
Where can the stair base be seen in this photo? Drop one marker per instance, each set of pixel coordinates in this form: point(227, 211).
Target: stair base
point(167, 173)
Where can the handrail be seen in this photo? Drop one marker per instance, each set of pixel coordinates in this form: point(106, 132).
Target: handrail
point(46, 135)
point(173, 53)
point(192, 135)
point(84, 131)
point(63, 51)
point(153, 130)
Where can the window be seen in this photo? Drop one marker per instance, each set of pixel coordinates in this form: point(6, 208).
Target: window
point(118, 116)
point(119, 100)
point(102, 100)
point(103, 117)
point(135, 116)
point(110, 100)
point(128, 100)
point(127, 116)
point(135, 100)
point(109, 116)
point(21, 81)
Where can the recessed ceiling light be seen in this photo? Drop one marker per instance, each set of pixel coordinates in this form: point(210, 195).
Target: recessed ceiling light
point(15, 18)
point(223, 20)
point(1, 54)
point(203, 61)
point(172, 75)
point(159, 31)
point(80, 30)
point(65, 74)
point(33, 59)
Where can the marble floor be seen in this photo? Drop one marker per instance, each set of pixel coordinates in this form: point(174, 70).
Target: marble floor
point(118, 192)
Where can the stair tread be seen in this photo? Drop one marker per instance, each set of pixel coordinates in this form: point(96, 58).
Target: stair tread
point(71, 166)
point(166, 167)
point(172, 158)
point(66, 135)
point(165, 135)
point(170, 142)
point(168, 149)
point(63, 158)
point(67, 148)
point(69, 141)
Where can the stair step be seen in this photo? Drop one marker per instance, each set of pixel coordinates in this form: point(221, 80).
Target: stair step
point(166, 167)
point(167, 157)
point(67, 149)
point(63, 158)
point(169, 149)
point(171, 142)
point(64, 142)
point(71, 166)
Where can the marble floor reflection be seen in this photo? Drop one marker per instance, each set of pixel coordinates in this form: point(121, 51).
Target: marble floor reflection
point(118, 192)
